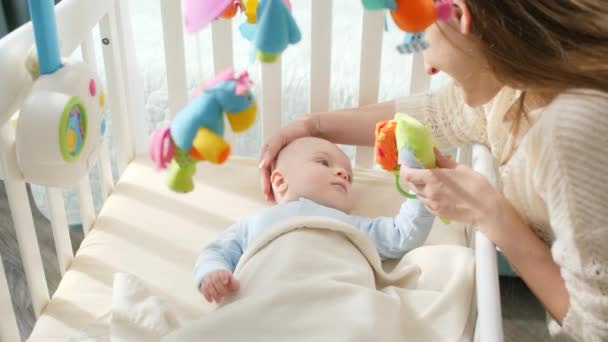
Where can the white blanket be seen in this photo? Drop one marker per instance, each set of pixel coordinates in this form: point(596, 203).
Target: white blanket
point(317, 279)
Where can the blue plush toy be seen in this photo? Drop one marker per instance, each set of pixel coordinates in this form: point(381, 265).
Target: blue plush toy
point(270, 26)
point(196, 133)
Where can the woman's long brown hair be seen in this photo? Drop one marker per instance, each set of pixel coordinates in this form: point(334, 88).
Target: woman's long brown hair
point(543, 46)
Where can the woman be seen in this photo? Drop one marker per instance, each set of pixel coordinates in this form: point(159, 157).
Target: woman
point(530, 80)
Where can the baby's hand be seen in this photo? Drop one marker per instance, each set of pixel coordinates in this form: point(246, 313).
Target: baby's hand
point(217, 284)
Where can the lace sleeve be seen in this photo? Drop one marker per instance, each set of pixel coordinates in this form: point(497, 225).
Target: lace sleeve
point(452, 122)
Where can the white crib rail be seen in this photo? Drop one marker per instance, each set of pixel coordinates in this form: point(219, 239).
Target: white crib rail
point(271, 98)
point(488, 325)
point(223, 58)
point(489, 315)
point(320, 55)
point(117, 88)
point(59, 224)
point(23, 221)
point(369, 72)
point(175, 59)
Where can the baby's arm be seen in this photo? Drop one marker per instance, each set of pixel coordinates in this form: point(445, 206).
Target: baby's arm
point(214, 267)
point(395, 236)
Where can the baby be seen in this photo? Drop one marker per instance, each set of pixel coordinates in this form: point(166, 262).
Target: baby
point(311, 177)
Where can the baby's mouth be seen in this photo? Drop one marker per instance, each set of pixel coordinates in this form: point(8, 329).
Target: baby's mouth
point(340, 185)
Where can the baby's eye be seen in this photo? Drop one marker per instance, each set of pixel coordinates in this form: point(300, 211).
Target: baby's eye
point(324, 162)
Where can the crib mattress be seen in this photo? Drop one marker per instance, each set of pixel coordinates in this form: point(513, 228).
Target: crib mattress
point(148, 231)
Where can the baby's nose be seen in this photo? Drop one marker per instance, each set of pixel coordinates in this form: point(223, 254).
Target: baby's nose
point(342, 174)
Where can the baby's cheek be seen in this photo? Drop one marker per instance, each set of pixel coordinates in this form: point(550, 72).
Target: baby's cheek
point(317, 178)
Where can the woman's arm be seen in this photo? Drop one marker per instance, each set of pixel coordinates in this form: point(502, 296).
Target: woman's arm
point(354, 126)
point(444, 112)
point(530, 256)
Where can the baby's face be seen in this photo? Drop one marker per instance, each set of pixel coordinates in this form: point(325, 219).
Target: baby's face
point(318, 170)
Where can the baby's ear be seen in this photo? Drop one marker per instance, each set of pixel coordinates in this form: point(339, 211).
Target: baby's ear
point(279, 184)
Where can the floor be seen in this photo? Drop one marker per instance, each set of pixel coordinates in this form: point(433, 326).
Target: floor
point(523, 316)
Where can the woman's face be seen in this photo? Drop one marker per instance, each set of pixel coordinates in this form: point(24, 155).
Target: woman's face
point(453, 51)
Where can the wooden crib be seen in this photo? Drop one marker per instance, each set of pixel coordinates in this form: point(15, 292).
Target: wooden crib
point(139, 189)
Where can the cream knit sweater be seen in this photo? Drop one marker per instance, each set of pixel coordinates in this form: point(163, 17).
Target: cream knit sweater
point(555, 173)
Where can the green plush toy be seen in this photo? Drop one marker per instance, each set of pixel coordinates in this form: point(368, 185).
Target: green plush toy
point(404, 141)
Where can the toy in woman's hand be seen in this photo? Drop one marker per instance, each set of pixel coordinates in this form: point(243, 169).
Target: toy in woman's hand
point(197, 131)
point(270, 26)
point(413, 17)
point(60, 123)
point(404, 141)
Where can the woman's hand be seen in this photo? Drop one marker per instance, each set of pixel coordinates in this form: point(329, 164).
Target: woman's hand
point(454, 191)
point(303, 127)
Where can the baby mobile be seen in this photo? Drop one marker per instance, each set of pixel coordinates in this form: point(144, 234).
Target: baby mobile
point(270, 26)
point(196, 133)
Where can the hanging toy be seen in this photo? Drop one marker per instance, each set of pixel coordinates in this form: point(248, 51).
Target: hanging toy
point(197, 131)
point(413, 17)
point(412, 42)
point(60, 125)
point(199, 13)
point(274, 31)
point(270, 26)
point(404, 141)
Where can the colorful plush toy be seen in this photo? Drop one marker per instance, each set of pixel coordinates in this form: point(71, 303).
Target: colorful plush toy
point(197, 131)
point(413, 17)
point(274, 30)
point(404, 141)
point(270, 26)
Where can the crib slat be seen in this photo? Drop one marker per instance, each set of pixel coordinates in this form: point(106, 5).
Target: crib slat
point(28, 243)
point(419, 80)
point(8, 324)
point(173, 38)
point(320, 51)
point(59, 223)
point(116, 91)
point(271, 98)
point(369, 79)
point(105, 168)
point(87, 210)
point(88, 51)
point(107, 183)
point(221, 36)
point(23, 221)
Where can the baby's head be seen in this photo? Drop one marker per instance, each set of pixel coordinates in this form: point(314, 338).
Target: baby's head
point(316, 169)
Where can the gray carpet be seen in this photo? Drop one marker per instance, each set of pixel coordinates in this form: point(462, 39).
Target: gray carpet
point(523, 316)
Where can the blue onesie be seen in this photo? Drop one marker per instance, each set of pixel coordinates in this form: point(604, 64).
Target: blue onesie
point(392, 236)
